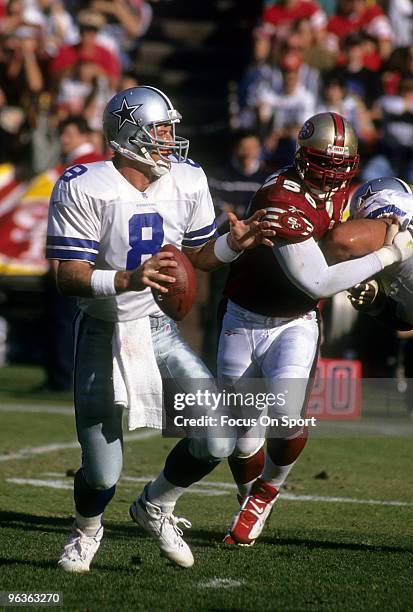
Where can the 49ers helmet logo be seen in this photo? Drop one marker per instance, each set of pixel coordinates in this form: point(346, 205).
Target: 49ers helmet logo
point(306, 131)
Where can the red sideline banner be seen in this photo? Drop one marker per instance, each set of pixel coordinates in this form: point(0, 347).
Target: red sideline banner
point(23, 221)
point(337, 390)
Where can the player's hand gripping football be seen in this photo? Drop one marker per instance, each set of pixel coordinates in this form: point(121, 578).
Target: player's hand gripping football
point(148, 274)
point(363, 295)
point(249, 233)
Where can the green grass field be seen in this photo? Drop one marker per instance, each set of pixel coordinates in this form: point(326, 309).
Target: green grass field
point(338, 542)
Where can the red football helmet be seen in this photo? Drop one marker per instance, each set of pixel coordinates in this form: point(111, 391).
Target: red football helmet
point(326, 157)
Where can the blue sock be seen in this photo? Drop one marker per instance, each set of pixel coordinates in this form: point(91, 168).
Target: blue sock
point(88, 501)
point(182, 469)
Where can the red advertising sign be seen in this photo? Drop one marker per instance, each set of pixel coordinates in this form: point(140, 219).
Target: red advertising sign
point(23, 222)
point(337, 390)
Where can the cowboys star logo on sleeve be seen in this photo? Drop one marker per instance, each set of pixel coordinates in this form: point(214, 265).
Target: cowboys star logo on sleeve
point(125, 113)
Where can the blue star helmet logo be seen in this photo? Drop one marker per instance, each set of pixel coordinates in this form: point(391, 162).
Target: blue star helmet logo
point(366, 195)
point(125, 113)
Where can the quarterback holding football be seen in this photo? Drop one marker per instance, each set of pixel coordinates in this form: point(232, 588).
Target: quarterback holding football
point(107, 223)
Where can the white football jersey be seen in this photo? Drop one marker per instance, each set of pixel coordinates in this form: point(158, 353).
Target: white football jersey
point(97, 216)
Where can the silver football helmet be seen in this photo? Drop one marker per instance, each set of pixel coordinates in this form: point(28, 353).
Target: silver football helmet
point(371, 188)
point(130, 125)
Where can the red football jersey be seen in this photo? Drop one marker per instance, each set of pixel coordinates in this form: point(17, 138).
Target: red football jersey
point(256, 280)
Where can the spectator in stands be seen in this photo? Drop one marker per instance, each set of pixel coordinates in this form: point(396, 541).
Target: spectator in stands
point(21, 66)
point(354, 16)
point(88, 50)
point(75, 142)
point(13, 17)
point(279, 18)
point(234, 183)
point(359, 80)
point(127, 22)
point(76, 148)
point(268, 80)
point(57, 26)
point(395, 151)
point(22, 79)
point(280, 115)
point(293, 50)
point(313, 47)
point(401, 20)
point(85, 92)
point(334, 97)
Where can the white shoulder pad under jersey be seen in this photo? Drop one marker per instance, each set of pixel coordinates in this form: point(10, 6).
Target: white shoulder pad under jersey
point(97, 216)
point(397, 282)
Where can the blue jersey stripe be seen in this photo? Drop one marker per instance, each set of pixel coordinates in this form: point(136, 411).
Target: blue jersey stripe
point(76, 242)
point(201, 232)
point(194, 243)
point(56, 253)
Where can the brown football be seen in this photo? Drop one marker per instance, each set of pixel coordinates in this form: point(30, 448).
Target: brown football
point(181, 294)
point(354, 239)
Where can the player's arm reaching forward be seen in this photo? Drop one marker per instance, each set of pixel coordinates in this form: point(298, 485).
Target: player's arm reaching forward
point(243, 235)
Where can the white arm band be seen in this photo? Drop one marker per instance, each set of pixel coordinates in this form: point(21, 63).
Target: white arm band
point(306, 267)
point(102, 283)
point(223, 251)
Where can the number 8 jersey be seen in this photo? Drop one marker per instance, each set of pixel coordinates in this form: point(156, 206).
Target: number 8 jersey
point(97, 216)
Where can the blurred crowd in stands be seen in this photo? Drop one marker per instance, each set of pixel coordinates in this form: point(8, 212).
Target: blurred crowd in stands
point(59, 59)
point(62, 60)
point(351, 56)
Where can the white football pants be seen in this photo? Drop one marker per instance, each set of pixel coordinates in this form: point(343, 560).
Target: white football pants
point(281, 351)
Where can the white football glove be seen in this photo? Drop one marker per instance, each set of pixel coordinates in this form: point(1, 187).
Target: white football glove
point(388, 203)
point(363, 295)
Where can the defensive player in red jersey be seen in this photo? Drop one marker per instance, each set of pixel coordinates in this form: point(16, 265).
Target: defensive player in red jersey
point(271, 325)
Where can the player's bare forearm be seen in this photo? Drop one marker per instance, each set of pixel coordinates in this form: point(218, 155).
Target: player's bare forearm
point(353, 239)
point(204, 257)
point(244, 234)
point(74, 277)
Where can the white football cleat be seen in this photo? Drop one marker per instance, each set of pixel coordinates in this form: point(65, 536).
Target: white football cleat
point(79, 551)
point(163, 528)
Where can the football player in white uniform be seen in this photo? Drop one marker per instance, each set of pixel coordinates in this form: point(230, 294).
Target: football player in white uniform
point(389, 296)
point(107, 222)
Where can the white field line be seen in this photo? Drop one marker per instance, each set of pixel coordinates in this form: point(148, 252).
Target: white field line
point(34, 408)
point(368, 427)
point(221, 583)
point(26, 453)
point(208, 488)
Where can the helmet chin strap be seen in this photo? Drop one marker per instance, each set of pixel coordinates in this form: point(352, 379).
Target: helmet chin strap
point(159, 168)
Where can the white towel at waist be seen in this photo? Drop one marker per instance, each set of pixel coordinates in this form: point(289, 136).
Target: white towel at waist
point(137, 382)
